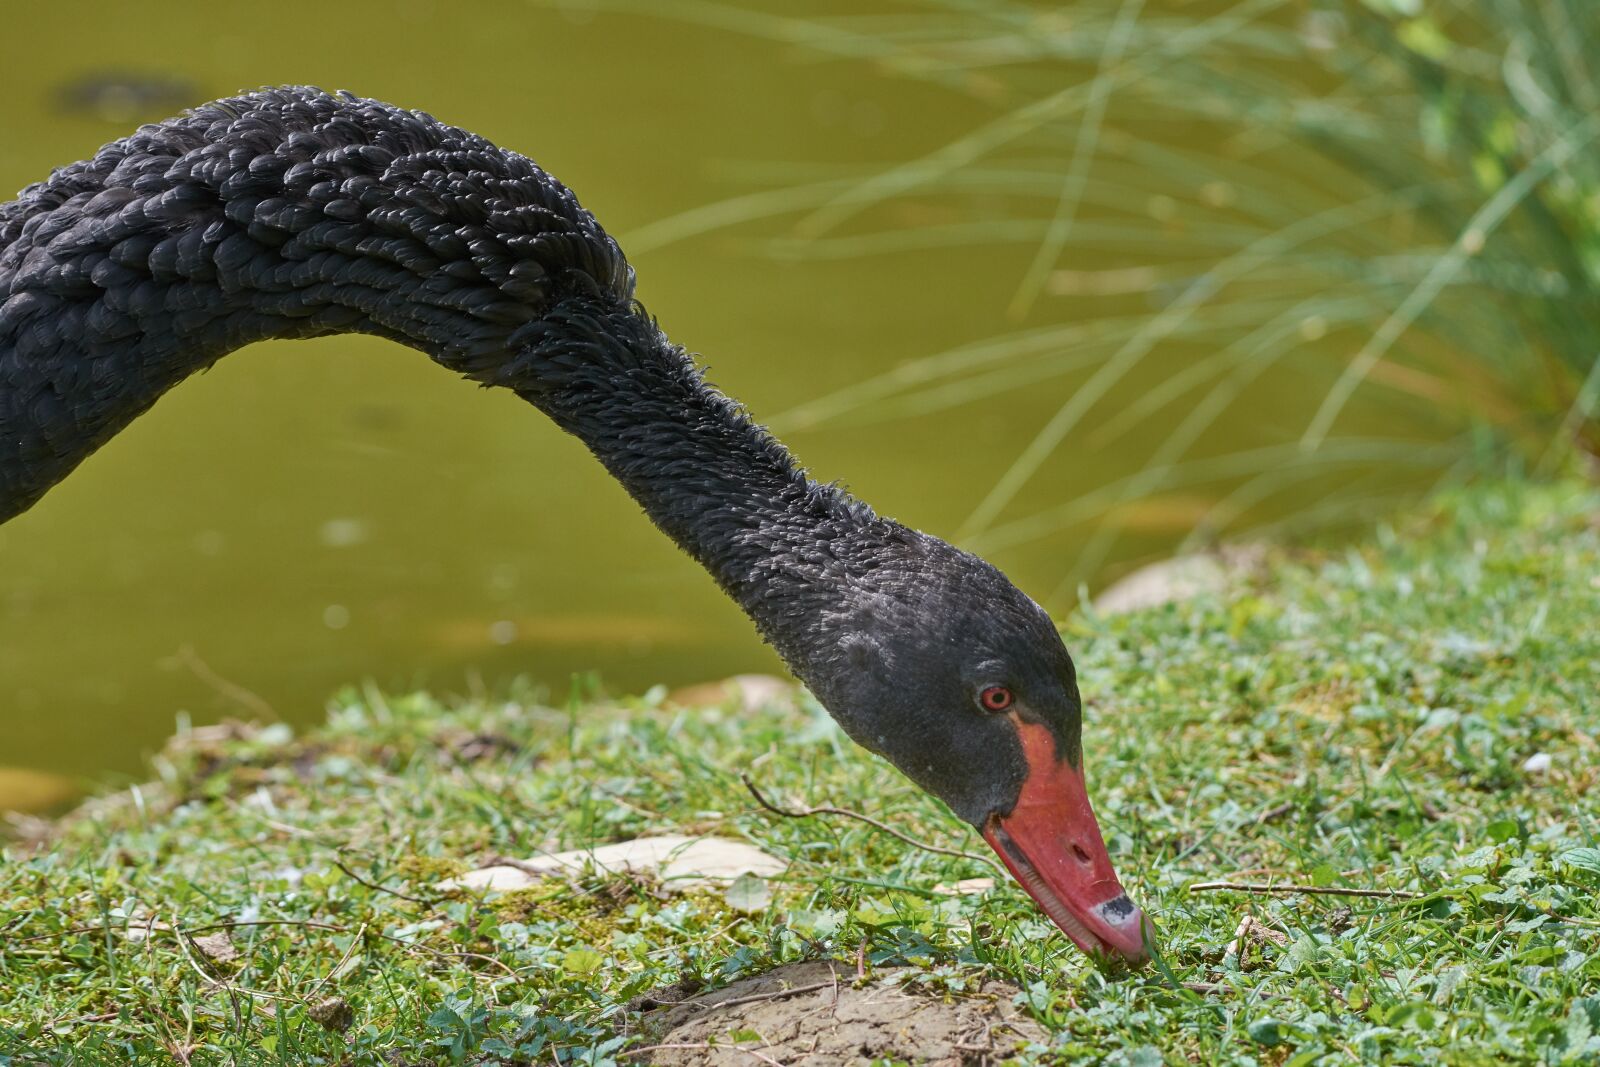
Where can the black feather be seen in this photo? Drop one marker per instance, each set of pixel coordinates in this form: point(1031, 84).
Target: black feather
point(297, 213)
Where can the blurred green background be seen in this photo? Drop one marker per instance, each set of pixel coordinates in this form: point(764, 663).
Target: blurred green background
point(1077, 287)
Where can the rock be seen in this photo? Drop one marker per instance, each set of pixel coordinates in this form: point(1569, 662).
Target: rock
point(1538, 763)
point(217, 946)
point(331, 1013)
point(680, 862)
point(815, 1015)
point(1181, 578)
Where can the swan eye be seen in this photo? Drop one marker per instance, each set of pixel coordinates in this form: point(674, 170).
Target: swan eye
point(995, 698)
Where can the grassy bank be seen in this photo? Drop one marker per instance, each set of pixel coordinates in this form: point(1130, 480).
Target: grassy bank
point(1416, 716)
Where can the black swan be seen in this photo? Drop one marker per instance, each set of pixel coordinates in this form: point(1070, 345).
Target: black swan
point(297, 213)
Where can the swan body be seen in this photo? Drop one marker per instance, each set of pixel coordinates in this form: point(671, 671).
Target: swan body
point(292, 213)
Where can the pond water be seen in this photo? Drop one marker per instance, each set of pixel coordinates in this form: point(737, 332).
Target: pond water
point(310, 515)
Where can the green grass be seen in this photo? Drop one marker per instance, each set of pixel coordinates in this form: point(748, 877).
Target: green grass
point(1359, 719)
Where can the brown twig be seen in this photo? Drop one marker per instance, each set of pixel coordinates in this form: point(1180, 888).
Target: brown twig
point(382, 889)
point(497, 860)
point(103, 1017)
point(309, 924)
point(185, 943)
point(1314, 890)
point(869, 820)
point(1273, 814)
point(152, 925)
point(510, 971)
point(757, 998)
point(355, 942)
point(1237, 946)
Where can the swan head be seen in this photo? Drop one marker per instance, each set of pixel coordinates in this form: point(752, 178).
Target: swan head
point(930, 657)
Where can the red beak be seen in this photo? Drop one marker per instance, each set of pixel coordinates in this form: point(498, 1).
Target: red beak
point(1051, 843)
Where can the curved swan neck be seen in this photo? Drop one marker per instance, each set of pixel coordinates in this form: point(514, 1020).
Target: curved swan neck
point(707, 475)
point(285, 213)
point(296, 213)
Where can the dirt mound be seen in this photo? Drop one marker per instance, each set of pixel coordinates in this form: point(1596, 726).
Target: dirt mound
point(812, 1015)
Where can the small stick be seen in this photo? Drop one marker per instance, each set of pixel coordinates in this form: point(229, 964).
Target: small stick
point(1316, 890)
point(757, 998)
point(1237, 947)
point(869, 820)
point(103, 1017)
point(1274, 814)
point(308, 924)
point(185, 940)
point(410, 946)
point(382, 889)
point(526, 868)
point(164, 928)
point(355, 943)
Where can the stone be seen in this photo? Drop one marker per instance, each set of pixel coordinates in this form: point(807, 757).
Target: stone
point(680, 862)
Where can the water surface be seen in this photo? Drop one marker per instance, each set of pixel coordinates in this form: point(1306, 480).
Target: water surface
point(311, 514)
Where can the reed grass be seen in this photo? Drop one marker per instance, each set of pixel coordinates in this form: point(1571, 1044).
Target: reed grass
point(1384, 211)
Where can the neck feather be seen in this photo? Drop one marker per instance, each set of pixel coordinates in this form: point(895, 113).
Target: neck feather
point(715, 482)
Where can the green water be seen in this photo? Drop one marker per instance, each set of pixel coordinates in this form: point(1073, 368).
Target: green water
point(308, 515)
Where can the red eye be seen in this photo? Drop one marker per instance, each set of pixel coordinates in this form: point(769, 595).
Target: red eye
point(995, 698)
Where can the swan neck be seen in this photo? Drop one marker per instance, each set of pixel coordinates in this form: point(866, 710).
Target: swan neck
point(712, 479)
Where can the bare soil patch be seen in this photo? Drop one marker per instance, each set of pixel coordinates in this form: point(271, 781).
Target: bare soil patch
point(814, 1015)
